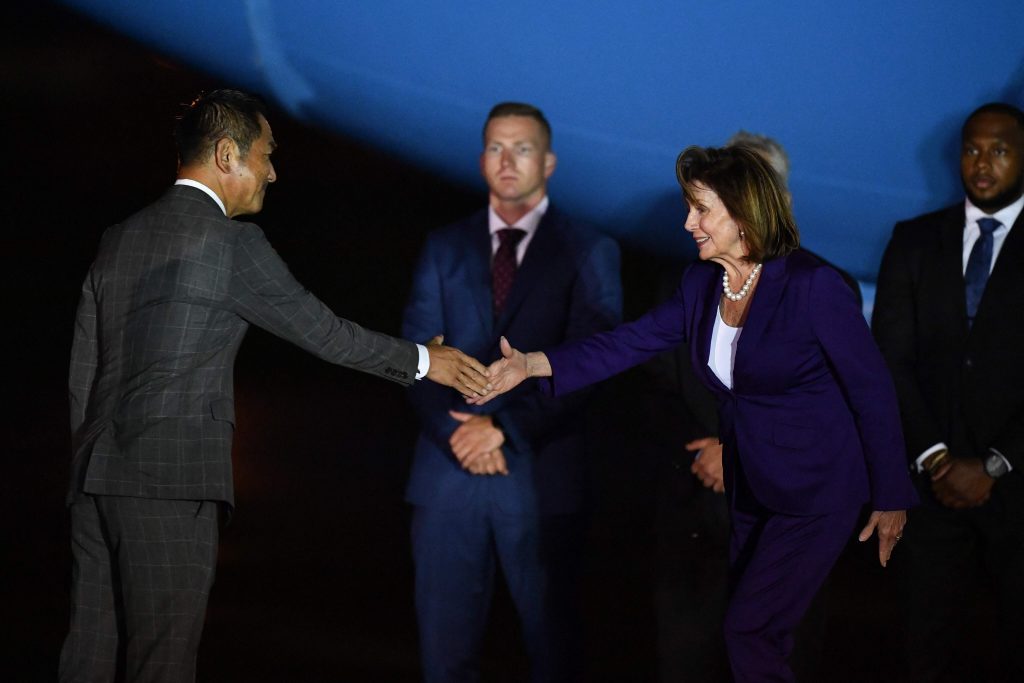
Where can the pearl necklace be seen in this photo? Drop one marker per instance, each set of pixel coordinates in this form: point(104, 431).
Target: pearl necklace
point(744, 290)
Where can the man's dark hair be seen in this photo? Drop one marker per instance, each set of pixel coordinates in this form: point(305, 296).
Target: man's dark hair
point(996, 108)
point(215, 115)
point(519, 109)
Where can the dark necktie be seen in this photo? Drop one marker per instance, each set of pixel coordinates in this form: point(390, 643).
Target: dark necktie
point(503, 270)
point(979, 263)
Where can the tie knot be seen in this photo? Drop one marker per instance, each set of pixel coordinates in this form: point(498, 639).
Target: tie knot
point(988, 225)
point(511, 236)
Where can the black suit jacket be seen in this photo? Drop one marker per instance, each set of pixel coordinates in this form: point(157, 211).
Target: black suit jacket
point(957, 385)
point(163, 310)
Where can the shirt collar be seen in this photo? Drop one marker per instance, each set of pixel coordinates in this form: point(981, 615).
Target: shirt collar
point(199, 186)
point(1006, 215)
point(529, 222)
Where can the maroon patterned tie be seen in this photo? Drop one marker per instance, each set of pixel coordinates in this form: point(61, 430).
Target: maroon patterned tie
point(503, 270)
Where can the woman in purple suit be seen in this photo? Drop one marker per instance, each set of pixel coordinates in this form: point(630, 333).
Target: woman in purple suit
point(809, 421)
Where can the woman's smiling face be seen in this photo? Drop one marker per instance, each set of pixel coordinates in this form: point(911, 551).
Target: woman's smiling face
point(716, 233)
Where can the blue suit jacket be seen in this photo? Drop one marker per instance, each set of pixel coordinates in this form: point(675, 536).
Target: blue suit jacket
point(567, 287)
point(812, 417)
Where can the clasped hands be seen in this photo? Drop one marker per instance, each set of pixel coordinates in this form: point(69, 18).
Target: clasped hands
point(961, 483)
point(707, 462)
point(477, 444)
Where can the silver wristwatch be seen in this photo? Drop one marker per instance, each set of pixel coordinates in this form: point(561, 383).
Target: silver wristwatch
point(995, 465)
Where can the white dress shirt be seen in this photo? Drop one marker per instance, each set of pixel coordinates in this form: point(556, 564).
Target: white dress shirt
point(529, 223)
point(722, 357)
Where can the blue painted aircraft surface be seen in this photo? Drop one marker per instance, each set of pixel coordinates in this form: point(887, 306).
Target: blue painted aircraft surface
point(867, 96)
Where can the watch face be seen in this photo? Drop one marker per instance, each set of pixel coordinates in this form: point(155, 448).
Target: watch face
point(995, 466)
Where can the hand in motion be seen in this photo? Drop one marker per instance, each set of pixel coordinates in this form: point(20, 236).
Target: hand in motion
point(962, 483)
point(707, 464)
point(476, 438)
point(510, 370)
point(453, 368)
point(489, 463)
point(890, 525)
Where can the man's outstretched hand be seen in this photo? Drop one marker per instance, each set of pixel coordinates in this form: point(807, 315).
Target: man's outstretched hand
point(453, 368)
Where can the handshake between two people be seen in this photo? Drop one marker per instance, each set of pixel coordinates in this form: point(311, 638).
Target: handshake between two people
point(477, 442)
point(509, 371)
point(452, 368)
point(477, 384)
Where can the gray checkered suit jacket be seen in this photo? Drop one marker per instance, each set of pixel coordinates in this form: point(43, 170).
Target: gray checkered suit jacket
point(164, 308)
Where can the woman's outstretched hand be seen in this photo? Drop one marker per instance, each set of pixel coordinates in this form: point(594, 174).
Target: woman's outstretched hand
point(510, 370)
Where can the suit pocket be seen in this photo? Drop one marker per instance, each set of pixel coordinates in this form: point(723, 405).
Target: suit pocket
point(223, 409)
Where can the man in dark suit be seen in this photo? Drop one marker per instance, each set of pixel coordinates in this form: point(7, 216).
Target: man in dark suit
point(163, 310)
point(505, 485)
point(947, 318)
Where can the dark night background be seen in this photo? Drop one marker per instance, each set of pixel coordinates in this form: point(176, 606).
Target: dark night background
point(314, 580)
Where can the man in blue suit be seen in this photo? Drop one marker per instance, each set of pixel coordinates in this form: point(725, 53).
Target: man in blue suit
point(522, 269)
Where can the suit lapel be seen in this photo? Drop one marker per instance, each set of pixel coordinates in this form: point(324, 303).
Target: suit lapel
point(478, 269)
point(762, 310)
point(705, 329)
point(1005, 274)
point(951, 262)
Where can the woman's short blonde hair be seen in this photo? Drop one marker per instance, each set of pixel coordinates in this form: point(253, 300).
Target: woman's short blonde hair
point(751, 192)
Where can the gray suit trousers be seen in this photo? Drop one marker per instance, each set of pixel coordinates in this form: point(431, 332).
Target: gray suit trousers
point(141, 576)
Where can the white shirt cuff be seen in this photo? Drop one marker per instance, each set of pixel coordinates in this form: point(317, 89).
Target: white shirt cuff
point(919, 463)
point(423, 364)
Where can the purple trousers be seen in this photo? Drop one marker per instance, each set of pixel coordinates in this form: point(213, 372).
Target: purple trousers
point(777, 564)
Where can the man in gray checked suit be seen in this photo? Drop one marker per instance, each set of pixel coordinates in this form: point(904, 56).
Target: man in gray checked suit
point(164, 308)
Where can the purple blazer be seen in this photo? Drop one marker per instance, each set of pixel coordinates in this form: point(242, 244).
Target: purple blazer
point(812, 417)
